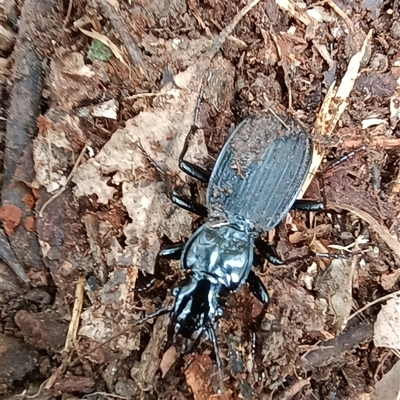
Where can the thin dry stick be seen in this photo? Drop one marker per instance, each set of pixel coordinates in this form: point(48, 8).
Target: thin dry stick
point(71, 335)
point(227, 31)
point(55, 195)
point(104, 394)
point(295, 389)
point(277, 117)
point(33, 396)
point(76, 313)
point(375, 142)
point(68, 13)
point(387, 297)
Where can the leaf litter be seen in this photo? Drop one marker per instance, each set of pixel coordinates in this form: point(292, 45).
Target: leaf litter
point(118, 215)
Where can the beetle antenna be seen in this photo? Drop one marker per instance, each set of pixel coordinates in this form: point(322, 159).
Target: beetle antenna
point(155, 314)
point(211, 333)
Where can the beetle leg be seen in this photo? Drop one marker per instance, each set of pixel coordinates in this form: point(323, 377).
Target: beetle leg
point(211, 334)
point(194, 170)
point(188, 204)
point(308, 205)
point(187, 167)
point(268, 253)
point(173, 252)
point(181, 201)
point(257, 288)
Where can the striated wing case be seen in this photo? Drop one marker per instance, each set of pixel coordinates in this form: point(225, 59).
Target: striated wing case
point(259, 171)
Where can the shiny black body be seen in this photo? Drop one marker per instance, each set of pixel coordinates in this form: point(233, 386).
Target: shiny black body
point(254, 183)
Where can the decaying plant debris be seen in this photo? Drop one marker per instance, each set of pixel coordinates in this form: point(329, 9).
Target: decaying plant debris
point(84, 214)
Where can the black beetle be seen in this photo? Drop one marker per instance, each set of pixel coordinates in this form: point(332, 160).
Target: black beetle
point(254, 183)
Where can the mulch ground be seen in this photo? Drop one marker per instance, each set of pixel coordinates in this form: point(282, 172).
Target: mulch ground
point(88, 87)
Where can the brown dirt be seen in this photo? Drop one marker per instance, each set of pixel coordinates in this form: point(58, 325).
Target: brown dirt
point(111, 217)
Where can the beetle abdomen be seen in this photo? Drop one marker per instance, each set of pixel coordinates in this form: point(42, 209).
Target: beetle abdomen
point(259, 172)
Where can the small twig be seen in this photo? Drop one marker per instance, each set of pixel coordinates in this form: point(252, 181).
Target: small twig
point(71, 2)
point(377, 141)
point(278, 118)
point(227, 31)
point(33, 396)
point(55, 195)
point(380, 365)
point(74, 324)
point(71, 335)
point(353, 336)
point(92, 225)
point(341, 14)
point(104, 394)
point(140, 95)
point(387, 297)
point(296, 388)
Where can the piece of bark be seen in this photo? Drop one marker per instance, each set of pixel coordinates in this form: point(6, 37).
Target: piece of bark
point(44, 330)
point(331, 350)
point(37, 16)
point(17, 359)
point(8, 257)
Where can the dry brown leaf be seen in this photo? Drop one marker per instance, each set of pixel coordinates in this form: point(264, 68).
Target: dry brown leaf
point(108, 109)
point(389, 280)
point(161, 132)
point(89, 181)
point(169, 357)
point(116, 296)
point(374, 6)
point(388, 388)
point(341, 301)
point(198, 377)
point(59, 137)
point(107, 42)
point(387, 325)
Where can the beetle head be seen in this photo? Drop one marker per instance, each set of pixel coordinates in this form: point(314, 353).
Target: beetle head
point(195, 311)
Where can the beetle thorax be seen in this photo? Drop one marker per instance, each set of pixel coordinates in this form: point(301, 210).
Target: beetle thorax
point(223, 253)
